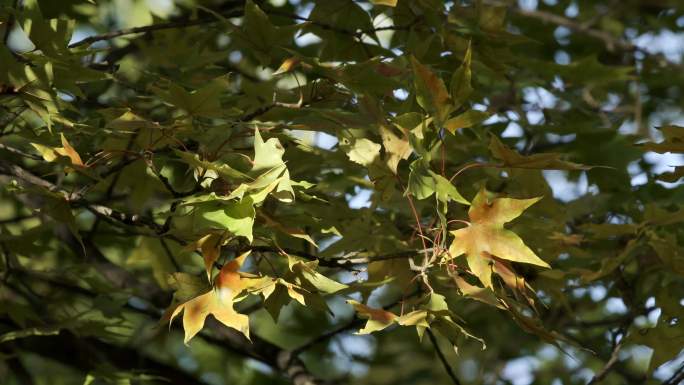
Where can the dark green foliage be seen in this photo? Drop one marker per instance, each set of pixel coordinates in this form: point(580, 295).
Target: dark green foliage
point(304, 189)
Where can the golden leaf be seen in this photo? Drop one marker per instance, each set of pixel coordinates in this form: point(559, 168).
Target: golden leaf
point(217, 302)
point(485, 236)
point(378, 319)
point(51, 154)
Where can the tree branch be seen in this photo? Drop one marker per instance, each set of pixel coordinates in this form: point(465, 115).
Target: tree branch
point(344, 31)
point(230, 9)
point(610, 41)
point(147, 28)
point(16, 151)
point(71, 350)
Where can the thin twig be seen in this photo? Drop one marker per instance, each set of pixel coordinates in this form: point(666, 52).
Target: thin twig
point(330, 27)
point(16, 219)
point(601, 374)
point(192, 23)
point(170, 254)
point(19, 152)
point(677, 377)
point(8, 119)
point(356, 322)
point(442, 358)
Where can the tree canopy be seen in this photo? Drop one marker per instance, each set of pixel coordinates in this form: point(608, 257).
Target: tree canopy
point(336, 191)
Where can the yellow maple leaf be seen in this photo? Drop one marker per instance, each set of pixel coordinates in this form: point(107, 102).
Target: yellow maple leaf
point(485, 235)
point(378, 319)
point(217, 302)
point(210, 245)
point(51, 154)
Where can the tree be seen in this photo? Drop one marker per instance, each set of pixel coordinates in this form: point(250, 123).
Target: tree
point(338, 191)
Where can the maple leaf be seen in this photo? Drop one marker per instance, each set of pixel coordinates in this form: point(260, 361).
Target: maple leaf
point(210, 245)
point(378, 319)
point(548, 161)
point(270, 170)
point(363, 151)
point(673, 142)
point(477, 293)
point(431, 93)
point(486, 237)
point(217, 302)
point(51, 154)
point(466, 120)
point(389, 3)
point(461, 80)
point(396, 147)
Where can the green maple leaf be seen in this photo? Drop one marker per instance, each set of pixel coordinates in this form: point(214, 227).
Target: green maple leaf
point(431, 93)
point(549, 161)
point(363, 151)
point(461, 86)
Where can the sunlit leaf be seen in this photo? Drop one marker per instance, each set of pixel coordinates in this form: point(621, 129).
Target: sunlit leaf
point(485, 235)
point(217, 302)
